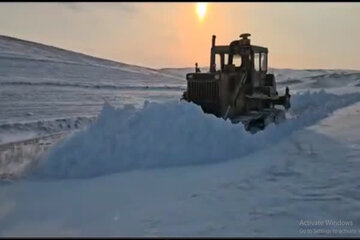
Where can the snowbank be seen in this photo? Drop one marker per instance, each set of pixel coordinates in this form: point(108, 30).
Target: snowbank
point(172, 134)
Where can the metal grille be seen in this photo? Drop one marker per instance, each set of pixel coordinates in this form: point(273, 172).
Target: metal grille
point(203, 90)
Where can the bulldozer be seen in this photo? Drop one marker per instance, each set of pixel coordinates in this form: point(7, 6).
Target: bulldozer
point(238, 86)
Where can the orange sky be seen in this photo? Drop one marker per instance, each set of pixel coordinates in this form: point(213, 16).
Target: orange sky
point(298, 35)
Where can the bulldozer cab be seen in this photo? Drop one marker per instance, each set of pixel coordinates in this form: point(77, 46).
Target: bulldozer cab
point(240, 56)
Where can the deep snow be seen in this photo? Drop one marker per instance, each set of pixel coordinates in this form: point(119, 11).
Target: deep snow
point(173, 134)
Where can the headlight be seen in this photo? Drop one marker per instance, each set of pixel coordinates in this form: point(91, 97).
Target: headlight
point(217, 76)
point(190, 76)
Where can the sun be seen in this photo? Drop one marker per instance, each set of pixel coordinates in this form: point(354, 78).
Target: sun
point(201, 10)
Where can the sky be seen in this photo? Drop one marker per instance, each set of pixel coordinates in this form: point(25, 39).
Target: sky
point(159, 35)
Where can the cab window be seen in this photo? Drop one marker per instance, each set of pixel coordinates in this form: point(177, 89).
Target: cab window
point(226, 59)
point(263, 62)
point(237, 60)
point(257, 61)
point(217, 62)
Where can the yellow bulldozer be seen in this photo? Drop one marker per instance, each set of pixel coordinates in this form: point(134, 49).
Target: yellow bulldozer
point(239, 86)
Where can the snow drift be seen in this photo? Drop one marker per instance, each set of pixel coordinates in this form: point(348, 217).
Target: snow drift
point(25, 130)
point(172, 134)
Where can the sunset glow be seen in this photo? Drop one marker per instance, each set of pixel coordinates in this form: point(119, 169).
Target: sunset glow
point(179, 34)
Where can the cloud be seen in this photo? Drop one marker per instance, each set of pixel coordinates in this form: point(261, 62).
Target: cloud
point(71, 5)
point(128, 7)
point(124, 7)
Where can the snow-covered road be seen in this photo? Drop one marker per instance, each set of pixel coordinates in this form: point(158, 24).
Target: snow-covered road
point(306, 176)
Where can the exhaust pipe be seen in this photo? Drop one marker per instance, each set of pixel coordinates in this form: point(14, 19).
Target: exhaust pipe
point(212, 54)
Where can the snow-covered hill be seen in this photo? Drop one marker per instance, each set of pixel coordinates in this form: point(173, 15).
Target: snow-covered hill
point(27, 52)
point(44, 89)
point(141, 163)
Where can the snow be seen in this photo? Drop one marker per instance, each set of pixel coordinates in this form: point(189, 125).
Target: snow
point(173, 134)
point(342, 126)
point(266, 193)
point(138, 162)
point(26, 130)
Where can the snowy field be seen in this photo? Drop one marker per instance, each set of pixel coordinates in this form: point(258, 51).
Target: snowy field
point(132, 160)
